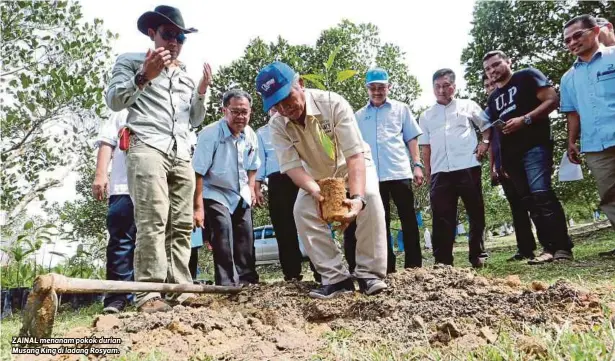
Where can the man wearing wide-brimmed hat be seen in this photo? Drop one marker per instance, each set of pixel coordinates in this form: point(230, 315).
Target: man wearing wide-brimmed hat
point(163, 103)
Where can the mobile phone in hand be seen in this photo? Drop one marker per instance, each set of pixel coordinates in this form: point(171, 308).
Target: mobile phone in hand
point(499, 124)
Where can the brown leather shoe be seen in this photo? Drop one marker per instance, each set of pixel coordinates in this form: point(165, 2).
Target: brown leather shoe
point(544, 257)
point(155, 304)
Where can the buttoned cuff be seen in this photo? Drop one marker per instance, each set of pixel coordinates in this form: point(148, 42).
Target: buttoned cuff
point(131, 87)
point(291, 165)
point(199, 98)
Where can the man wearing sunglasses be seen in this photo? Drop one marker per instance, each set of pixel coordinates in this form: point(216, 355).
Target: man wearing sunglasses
point(225, 162)
point(588, 99)
point(163, 103)
point(523, 100)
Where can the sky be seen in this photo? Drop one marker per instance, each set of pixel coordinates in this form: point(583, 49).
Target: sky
point(431, 33)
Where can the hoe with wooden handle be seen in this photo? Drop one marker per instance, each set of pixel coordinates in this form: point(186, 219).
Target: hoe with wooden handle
point(42, 304)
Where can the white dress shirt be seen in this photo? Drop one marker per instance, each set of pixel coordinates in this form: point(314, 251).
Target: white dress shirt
point(448, 130)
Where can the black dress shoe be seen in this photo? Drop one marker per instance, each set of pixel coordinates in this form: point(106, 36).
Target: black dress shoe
point(333, 290)
point(520, 257)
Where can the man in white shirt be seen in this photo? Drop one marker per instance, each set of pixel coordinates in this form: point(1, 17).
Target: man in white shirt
point(451, 154)
point(120, 214)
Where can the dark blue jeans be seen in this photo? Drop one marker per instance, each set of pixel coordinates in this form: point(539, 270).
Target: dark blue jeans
point(531, 178)
point(121, 246)
point(526, 243)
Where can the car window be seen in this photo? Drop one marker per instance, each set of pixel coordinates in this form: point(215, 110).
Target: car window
point(269, 233)
point(258, 233)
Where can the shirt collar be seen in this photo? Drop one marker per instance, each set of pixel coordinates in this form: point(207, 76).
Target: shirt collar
point(596, 54)
point(452, 103)
point(226, 131)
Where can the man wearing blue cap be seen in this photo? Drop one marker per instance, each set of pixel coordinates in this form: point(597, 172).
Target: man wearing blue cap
point(163, 103)
point(388, 126)
point(312, 130)
point(282, 193)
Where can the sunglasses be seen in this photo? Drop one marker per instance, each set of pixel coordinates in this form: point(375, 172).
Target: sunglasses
point(576, 36)
point(169, 35)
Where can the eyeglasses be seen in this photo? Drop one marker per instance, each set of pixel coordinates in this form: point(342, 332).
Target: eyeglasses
point(576, 36)
point(169, 35)
point(237, 113)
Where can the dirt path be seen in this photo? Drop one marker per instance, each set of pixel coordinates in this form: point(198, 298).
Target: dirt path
point(440, 307)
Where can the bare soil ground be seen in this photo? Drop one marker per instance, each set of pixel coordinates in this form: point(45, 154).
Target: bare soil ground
point(440, 307)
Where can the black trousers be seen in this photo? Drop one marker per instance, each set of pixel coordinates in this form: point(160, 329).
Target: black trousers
point(194, 262)
point(526, 243)
point(232, 243)
point(282, 196)
point(446, 189)
point(403, 197)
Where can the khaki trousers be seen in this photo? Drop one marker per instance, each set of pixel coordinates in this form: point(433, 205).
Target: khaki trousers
point(162, 190)
point(602, 165)
point(323, 250)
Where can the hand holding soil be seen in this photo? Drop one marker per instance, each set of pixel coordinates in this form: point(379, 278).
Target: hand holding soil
point(355, 206)
point(332, 206)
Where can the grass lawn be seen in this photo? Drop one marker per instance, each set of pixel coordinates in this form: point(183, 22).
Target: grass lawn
point(587, 270)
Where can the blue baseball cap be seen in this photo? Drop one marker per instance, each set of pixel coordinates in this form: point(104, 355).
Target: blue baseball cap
point(377, 75)
point(273, 83)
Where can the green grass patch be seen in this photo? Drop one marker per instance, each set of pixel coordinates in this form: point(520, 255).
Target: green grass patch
point(531, 344)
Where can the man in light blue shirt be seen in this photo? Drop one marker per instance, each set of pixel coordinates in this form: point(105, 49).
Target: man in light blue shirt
point(282, 193)
point(588, 99)
point(391, 131)
point(225, 162)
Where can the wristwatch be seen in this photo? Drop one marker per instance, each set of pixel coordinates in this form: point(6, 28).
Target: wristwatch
point(418, 164)
point(140, 79)
point(486, 141)
point(356, 196)
point(527, 120)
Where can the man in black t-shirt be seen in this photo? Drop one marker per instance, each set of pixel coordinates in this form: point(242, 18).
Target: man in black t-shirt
point(526, 243)
point(520, 107)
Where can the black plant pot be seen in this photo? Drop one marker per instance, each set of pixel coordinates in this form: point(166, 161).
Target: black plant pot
point(6, 309)
point(19, 297)
point(81, 300)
